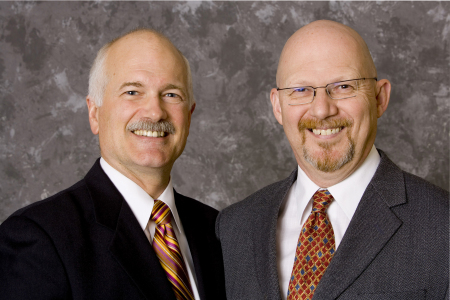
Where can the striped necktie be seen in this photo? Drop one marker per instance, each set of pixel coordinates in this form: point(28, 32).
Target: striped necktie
point(315, 249)
point(168, 251)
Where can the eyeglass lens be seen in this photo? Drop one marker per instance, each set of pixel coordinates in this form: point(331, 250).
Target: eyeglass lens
point(339, 90)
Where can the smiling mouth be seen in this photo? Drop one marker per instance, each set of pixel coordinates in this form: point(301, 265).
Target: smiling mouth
point(328, 131)
point(150, 133)
point(145, 127)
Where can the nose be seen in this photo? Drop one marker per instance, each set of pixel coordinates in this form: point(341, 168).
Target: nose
point(154, 108)
point(322, 106)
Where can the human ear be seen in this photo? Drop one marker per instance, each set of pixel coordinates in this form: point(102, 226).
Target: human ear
point(93, 115)
point(274, 98)
point(383, 94)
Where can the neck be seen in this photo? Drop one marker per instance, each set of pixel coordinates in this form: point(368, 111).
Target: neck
point(152, 180)
point(328, 179)
point(325, 179)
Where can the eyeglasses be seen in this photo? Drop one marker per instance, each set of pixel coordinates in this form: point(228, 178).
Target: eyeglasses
point(336, 90)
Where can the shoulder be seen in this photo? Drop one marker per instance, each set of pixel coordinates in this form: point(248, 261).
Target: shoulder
point(423, 187)
point(262, 200)
point(389, 177)
point(60, 205)
point(71, 205)
point(402, 189)
point(425, 193)
point(186, 205)
point(51, 221)
point(43, 233)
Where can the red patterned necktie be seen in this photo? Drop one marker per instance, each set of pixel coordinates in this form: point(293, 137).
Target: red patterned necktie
point(168, 251)
point(315, 249)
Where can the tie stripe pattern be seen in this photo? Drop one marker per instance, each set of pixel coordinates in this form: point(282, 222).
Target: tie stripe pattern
point(315, 249)
point(168, 251)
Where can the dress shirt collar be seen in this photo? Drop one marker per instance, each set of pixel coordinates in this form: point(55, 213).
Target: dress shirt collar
point(346, 193)
point(140, 202)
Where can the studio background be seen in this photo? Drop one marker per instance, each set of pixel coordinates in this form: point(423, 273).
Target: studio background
point(235, 145)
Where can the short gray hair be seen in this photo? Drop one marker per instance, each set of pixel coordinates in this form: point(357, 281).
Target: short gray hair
point(98, 79)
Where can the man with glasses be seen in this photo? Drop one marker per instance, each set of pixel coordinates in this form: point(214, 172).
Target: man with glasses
point(347, 223)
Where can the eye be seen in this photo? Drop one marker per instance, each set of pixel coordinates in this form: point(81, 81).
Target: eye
point(346, 86)
point(300, 90)
point(172, 98)
point(131, 93)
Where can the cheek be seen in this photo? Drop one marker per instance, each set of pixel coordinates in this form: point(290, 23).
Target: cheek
point(180, 117)
point(292, 115)
point(113, 123)
point(364, 118)
point(122, 114)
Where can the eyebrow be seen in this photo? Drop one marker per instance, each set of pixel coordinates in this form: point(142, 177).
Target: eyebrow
point(173, 86)
point(135, 84)
point(140, 84)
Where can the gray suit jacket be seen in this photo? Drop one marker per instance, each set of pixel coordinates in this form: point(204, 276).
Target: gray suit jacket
point(396, 245)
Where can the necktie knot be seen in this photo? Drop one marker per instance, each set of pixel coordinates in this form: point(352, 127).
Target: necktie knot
point(160, 213)
point(321, 200)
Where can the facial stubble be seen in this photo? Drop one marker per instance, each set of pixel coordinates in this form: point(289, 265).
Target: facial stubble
point(325, 161)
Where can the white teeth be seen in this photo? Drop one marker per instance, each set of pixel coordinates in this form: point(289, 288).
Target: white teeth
point(149, 133)
point(326, 131)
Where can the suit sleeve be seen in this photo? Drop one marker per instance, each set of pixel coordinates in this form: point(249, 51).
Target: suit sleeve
point(30, 267)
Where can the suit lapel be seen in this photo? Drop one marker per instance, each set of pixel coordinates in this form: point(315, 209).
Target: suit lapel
point(370, 229)
point(198, 224)
point(129, 245)
point(134, 253)
point(265, 242)
point(195, 241)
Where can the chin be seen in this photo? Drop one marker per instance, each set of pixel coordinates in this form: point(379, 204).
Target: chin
point(327, 159)
point(151, 159)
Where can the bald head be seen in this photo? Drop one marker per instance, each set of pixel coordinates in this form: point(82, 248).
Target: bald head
point(330, 136)
point(323, 45)
point(99, 75)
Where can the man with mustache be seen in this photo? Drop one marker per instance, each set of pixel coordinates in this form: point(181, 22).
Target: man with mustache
point(122, 232)
point(347, 223)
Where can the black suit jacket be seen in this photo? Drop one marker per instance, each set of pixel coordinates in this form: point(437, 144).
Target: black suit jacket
point(395, 247)
point(85, 243)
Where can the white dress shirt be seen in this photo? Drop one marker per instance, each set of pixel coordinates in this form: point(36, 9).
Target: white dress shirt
point(297, 207)
point(141, 205)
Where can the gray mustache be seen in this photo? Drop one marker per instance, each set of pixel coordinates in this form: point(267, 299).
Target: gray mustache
point(164, 126)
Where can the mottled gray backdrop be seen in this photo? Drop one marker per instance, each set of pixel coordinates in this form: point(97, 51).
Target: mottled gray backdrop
point(235, 146)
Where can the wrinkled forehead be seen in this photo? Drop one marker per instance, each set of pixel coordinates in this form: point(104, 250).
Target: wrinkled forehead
point(146, 51)
point(327, 52)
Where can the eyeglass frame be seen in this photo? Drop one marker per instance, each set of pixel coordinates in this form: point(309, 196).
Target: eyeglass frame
point(325, 87)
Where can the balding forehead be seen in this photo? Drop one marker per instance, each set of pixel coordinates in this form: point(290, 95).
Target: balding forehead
point(151, 40)
point(147, 36)
point(322, 40)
